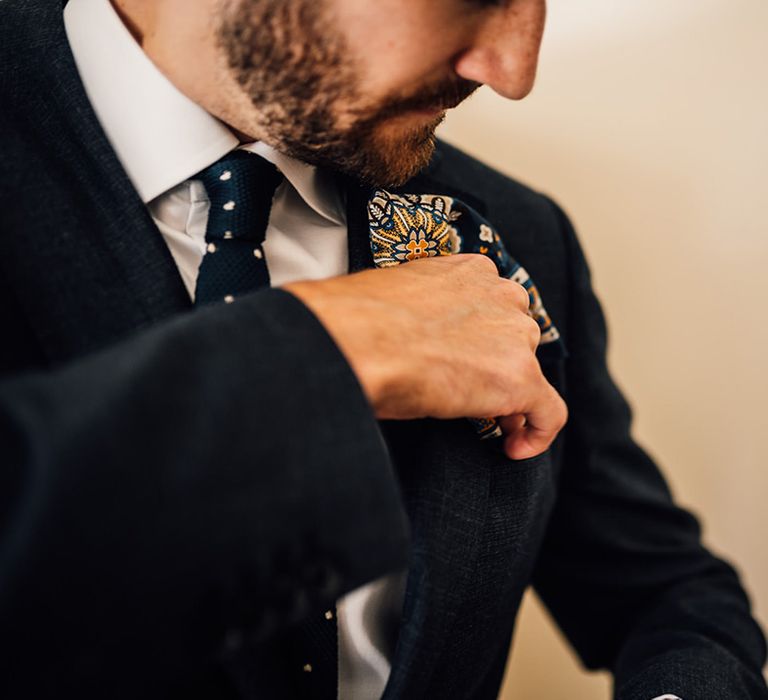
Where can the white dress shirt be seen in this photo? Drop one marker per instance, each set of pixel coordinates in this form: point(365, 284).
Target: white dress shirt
point(163, 139)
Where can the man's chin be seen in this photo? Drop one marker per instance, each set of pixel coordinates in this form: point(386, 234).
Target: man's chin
point(385, 155)
point(394, 156)
point(392, 170)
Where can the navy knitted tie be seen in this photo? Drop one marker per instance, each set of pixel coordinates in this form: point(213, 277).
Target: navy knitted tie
point(240, 187)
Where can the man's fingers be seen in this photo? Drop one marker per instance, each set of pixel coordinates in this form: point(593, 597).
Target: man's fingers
point(511, 424)
point(528, 435)
point(527, 442)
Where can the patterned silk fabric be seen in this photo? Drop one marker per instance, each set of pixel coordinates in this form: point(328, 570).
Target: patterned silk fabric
point(405, 227)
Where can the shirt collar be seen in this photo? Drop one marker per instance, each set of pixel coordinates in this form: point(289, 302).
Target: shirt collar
point(161, 137)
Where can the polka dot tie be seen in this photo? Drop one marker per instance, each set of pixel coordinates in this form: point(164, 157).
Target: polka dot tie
point(240, 187)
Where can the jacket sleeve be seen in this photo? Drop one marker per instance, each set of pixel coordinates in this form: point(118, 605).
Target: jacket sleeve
point(222, 471)
point(623, 569)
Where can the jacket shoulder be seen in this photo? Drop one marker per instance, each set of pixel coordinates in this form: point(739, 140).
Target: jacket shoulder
point(481, 182)
point(32, 36)
point(526, 219)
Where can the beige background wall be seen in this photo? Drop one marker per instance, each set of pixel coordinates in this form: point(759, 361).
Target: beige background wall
point(649, 124)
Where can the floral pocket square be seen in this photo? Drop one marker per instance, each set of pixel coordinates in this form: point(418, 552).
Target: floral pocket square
point(405, 227)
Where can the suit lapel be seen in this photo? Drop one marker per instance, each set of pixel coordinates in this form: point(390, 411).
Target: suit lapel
point(445, 480)
point(436, 462)
point(358, 243)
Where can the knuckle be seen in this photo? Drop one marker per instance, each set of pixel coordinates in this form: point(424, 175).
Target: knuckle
point(559, 410)
point(516, 292)
point(525, 300)
point(534, 329)
point(481, 262)
point(513, 293)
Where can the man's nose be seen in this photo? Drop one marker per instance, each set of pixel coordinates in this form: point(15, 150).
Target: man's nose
point(505, 50)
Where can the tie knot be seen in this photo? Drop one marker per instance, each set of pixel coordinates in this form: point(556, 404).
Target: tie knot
point(240, 187)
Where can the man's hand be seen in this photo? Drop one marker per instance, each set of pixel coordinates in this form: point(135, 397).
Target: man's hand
point(443, 337)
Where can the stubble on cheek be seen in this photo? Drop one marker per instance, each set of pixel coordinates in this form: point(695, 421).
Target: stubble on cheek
point(293, 65)
point(287, 63)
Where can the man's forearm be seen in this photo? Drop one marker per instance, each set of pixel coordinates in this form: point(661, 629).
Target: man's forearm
point(173, 530)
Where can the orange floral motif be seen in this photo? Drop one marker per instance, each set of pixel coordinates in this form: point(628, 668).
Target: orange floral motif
point(408, 227)
point(416, 249)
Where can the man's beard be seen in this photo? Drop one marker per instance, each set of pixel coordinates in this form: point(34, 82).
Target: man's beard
point(290, 60)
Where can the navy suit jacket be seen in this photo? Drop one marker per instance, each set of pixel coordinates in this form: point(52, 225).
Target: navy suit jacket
point(181, 487)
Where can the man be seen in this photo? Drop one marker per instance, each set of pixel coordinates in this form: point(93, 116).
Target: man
point(231, 469)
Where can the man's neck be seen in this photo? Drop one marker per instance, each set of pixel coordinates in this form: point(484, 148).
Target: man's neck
point(141, 18)
point(130, 12)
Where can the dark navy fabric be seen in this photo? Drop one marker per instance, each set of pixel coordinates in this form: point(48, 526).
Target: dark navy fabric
point(240, 188)
point(182, 488)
